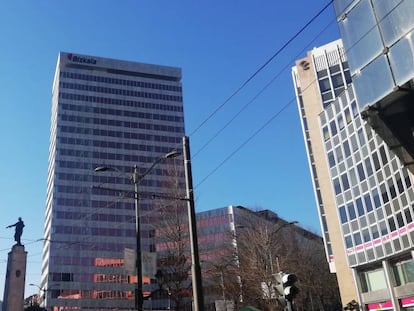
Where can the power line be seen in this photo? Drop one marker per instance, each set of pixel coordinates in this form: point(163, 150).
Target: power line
point(261, 68)
point(288, 65)
point(284, 107)
point(255, 133)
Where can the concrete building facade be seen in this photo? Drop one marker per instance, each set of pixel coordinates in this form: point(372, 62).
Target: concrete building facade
point(117, 114)
point(363, 190)
point(318, 79)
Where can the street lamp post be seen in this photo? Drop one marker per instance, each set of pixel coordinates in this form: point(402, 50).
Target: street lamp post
point(136, 178)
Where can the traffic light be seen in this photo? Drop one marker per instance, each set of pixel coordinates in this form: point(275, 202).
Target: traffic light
point(289, 289)
point(286, 289)
point(280, 289)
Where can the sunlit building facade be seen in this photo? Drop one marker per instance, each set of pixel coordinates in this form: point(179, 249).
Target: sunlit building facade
point(363, 190)
point(116, 114)
point(318, 79)
point(378, 37)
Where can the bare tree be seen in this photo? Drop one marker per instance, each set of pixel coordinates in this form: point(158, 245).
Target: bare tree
point(172, 242)
point(266, 247)
point(304, 255)
point(221, 279)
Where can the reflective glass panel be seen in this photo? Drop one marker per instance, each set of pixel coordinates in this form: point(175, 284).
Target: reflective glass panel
point(396, 18)
point(368, 92)
point(361, 36)
point(401, 58)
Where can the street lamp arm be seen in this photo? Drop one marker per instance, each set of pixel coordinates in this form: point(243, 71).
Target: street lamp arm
point(138, 177)
point(285, 225)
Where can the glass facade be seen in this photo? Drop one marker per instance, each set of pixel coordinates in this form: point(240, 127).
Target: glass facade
point(378, 37)
point(104, 113)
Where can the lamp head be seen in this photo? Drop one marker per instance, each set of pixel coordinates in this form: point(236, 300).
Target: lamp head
point(172, 154)
point(101, 169)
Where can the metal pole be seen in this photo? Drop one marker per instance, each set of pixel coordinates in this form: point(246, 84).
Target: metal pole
point(139, 301)
point(195, 261)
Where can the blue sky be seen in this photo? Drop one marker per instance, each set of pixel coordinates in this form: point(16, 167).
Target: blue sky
point(218, 45)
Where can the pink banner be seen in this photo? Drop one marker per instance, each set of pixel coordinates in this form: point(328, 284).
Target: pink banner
point(386, 305)
point(407, 302)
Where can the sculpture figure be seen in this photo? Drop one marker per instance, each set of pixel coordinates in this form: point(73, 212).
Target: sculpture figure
point(19, 230)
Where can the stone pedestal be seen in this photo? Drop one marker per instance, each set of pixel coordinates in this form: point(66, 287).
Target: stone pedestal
point(13, 299)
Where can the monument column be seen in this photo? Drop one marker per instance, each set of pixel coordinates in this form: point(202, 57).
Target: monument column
point(13, 299)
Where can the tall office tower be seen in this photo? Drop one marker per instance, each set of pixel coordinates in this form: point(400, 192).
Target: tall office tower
point(319, 78)
point(116, 114)
point(378, 37)
point(362, 188)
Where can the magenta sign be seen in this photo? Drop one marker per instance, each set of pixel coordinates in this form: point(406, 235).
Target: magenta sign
point(386, 305)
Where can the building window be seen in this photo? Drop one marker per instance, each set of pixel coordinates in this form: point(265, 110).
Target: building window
point(372, 280)
point(342, 214)
point(360, 207)
point(331, 159)
point(341, 123)
point(337, 186)
point(345, 183)
point(361, 173)
point(351, 211)
point(337, 80)
point(324, 85)
point(347, 150)
point(326, 134)
point(404, 272)
point(368, 203)
point(348, 116)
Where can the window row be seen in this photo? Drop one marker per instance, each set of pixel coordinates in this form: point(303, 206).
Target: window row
point(76, 230)
point(88, 243)
point(100, 179)
point(123, 124)
point(337, 81)
point(115, 145)
point(380, 228)
point(333, 69)
point(118, 102)
point(136, 83)
point(149, 182)
point(108, 90)
point(68, 215)
point(123, 113)
point(70, 202)
point(117, 134)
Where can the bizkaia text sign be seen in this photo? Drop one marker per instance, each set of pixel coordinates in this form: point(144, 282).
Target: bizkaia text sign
point(81, 59)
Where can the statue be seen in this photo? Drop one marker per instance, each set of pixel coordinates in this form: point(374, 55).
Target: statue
point(19, 230)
